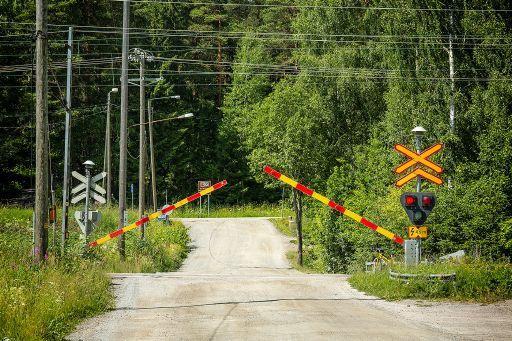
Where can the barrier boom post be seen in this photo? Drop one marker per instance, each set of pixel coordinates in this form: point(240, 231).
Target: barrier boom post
point(333, 205)
point(155, 215)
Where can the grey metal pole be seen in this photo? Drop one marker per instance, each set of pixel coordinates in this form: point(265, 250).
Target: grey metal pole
point(67, 147)
point(88, 167)
point(108, 155)
point(418, 133)
point(123, 124)
point(142, 145)
point(107, 118)
point(417, 142)
point(152, 149)
point(41, 165)
point(152, 156)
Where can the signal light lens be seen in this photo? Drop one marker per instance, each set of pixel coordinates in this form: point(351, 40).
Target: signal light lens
point(427, 200)
point(410, 200)
point(418, 217)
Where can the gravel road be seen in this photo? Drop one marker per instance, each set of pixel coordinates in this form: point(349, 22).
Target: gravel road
point(237, 284)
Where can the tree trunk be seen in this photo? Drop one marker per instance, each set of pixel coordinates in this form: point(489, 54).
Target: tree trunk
point(297, 207)
point(452, 76)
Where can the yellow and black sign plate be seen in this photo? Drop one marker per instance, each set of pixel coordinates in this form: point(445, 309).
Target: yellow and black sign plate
point(417, 231)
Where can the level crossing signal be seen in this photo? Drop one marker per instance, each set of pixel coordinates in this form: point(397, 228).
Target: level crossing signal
point(416, 160)
point(418, 206)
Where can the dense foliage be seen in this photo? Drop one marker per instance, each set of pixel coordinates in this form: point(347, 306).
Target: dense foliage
point(320, 91)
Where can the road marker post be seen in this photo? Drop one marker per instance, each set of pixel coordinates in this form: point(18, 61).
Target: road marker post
point(333, 205)
point(157, 214)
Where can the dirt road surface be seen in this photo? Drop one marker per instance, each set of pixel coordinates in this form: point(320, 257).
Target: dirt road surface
point(237, 284)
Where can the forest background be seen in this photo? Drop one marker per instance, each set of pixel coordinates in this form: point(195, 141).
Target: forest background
point(320, 90)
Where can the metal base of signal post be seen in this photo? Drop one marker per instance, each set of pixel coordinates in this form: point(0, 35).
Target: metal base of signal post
point(412, 252)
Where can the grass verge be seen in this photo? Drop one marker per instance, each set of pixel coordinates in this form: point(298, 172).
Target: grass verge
point(310, 264)
point(475, 281)
point(45, 302)
point(283, 226)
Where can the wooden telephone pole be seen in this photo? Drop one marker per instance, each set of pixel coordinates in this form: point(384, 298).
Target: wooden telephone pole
point(41, 196)
point(123, 141)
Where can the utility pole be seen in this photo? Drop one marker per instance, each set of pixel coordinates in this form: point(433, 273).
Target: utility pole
point(108, 149)
point(67, 137)
point(142, 144)
point(41, 195)
point(141, 56)
point(123, 148)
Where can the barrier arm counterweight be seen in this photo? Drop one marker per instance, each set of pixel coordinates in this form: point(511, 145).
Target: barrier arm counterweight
point(333, 205)
point(155, 215)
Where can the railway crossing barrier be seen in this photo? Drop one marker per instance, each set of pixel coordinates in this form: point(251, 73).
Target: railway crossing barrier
point(352, 215)
point(155, 215)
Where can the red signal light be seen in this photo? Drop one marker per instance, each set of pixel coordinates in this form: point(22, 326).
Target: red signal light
point(410, 200)
point(427, 200)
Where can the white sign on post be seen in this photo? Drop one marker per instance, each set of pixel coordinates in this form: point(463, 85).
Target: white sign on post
point(203, 185)
point(95, 192)
point(93, 188)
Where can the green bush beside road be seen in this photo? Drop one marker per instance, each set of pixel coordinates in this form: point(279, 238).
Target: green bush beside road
point(46, 301)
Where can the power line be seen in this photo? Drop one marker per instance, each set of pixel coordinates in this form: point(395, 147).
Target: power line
point(237, 34)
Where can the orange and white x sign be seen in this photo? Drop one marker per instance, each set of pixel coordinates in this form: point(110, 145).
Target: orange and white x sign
point(417, 159)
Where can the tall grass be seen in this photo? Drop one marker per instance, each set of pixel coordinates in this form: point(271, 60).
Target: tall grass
point(311, 263)
point(475, 280)
point(46, 301)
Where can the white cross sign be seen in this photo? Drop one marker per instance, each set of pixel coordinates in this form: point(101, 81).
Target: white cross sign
point(93, 187)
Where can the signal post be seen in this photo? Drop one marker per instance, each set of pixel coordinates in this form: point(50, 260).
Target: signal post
point(417, 205)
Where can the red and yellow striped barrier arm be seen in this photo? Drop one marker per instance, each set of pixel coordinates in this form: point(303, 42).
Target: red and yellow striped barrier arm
point(155, 215)
point(333, 205)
